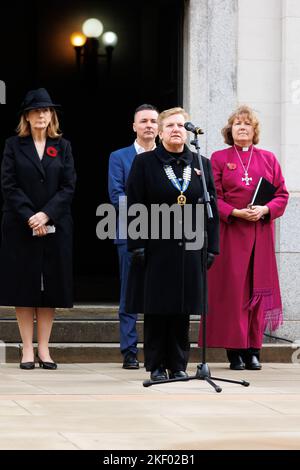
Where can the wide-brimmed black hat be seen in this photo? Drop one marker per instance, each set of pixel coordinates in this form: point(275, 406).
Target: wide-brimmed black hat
point(35, 99)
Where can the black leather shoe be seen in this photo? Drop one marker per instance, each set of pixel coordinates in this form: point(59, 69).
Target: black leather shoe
point(177, 374)
point(130, 361)
point(253, 363)
point(46, 365)
point(25, 365)
point(237, 363)
point(159, 374)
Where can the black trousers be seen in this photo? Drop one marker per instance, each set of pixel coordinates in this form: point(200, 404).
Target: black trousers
point(166, 341)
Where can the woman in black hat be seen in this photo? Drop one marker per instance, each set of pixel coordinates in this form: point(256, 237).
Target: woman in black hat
point(38, 182)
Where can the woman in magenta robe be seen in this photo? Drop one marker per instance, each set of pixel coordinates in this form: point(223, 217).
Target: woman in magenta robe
point(243, 287)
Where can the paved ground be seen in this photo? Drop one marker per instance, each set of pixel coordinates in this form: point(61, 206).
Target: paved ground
point(101, 406)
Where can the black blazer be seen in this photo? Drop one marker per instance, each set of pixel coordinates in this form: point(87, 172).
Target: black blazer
point(30, 185)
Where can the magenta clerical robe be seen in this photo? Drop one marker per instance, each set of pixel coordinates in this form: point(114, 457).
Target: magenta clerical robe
point(243, 287)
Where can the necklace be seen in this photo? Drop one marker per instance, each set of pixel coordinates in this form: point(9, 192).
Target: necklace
point(187, 173)
point(246, 177)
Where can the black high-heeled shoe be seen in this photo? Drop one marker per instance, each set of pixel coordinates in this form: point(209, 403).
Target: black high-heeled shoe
point(46, 365)
point(25, 365)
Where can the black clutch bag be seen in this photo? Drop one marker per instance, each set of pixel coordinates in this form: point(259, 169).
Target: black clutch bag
point(263, 193)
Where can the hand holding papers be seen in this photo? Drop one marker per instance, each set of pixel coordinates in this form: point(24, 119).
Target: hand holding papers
point(50, 229)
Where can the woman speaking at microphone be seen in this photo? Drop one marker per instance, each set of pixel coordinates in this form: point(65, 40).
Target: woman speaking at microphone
point(169, 176)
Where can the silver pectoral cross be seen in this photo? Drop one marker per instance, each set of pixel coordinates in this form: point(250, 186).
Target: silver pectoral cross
point(247, 179)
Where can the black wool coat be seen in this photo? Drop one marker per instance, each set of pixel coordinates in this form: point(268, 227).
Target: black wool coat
point(30, 185)
point(172, 275)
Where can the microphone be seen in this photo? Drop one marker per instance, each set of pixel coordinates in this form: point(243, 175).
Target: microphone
point(190, 127)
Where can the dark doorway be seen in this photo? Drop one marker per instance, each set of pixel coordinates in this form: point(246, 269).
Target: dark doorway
point(97, 111)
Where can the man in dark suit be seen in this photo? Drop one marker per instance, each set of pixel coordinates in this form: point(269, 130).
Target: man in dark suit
point(120, 161)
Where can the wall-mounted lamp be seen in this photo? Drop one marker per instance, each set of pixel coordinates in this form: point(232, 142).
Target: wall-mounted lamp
point(86, 44)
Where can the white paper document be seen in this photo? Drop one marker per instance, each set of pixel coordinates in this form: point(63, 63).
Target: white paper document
point(50, 229)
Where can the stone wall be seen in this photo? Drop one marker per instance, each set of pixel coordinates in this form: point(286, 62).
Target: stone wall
point(241, 51)
point(210, 66)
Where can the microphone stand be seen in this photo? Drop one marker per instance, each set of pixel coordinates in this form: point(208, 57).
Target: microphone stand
point(203, 371)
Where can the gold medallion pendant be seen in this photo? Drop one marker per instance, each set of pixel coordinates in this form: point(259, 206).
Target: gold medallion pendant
point(181, 200)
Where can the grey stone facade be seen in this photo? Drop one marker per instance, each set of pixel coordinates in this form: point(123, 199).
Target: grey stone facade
point(237, 51)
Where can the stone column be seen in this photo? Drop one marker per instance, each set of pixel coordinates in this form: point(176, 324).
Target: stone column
point(289, 239)
point(210, 66)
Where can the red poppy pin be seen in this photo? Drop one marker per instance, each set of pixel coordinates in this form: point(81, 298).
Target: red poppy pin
point(51, 151)
point(231, 166)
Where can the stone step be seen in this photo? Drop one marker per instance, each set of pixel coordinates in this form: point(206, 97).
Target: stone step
point(95, 352)
point(82, 331)
point(78, 312)
point(90, 333)
point(73, 330)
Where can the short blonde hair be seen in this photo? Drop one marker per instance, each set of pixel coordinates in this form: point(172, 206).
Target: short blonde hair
point(241, 111)
point(53, 131)
point(170, 112)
